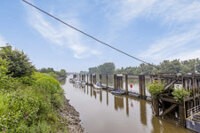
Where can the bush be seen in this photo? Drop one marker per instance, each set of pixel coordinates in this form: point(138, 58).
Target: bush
point(18, 62)
point(155, 88)
point(17, 111)
point(179, 94)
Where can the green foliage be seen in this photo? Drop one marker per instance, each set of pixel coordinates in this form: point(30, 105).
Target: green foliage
point(155, 88)
point(174, 66)
point(106, 68)
point(17, 110)
point(62, 74)
point(6, 82)
point(18, 62)
point(31, 107)
point(28, 101)
point(49, 85)
point(179, 94)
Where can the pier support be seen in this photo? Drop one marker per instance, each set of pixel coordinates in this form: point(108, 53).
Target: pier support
point(115, 81)
point(142, 86)
point(182, 115)
point(100, 78)
point(106, 80)
point(126, 83)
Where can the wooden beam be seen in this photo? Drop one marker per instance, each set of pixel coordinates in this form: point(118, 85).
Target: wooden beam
point(169, 85)
point(170, 109)
point(170, 100)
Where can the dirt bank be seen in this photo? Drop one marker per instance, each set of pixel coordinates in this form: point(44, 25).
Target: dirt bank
point(71, 118)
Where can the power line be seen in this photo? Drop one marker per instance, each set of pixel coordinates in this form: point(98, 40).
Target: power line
point(88, 35)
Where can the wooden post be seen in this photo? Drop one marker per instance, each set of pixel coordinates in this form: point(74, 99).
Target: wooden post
point(87, 78)
point(126, 83)
point(142, 86)
point(182, 114)
point(155, 104)
point(106, 80)
point(100, 78)
point(115, 81)
point(90, 79)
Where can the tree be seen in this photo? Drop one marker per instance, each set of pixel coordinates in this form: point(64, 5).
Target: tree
point(18, 62)
point(107, 68)
point(93, 70)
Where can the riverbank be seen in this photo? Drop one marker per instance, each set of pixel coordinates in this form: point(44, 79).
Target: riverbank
point(71, 118)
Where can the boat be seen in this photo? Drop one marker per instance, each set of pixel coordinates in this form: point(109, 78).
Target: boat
point(83, 82)
point(97, 85)
point(118, 92)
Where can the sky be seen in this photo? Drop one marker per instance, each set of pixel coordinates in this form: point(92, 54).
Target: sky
point(152, 30)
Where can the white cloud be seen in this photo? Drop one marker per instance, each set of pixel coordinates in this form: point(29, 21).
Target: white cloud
point(130, 9)
point(173, 46)
point(60, 35)
point(183, 40)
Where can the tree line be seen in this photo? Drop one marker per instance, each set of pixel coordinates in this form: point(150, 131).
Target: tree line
point(166, 66)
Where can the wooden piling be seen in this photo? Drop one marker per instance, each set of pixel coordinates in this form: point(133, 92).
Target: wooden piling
point(106, 80)
point(100, 78)
point(182, 114)
point(87, 78)
point(142, 86)
point(115, 81)
point(126, 83)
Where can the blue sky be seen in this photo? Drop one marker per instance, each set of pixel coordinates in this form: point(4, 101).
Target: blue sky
point(153, 30)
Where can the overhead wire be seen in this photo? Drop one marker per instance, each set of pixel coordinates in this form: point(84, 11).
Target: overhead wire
point(88, 35)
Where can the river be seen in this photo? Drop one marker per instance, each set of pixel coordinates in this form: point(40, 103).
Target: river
point(102, 112)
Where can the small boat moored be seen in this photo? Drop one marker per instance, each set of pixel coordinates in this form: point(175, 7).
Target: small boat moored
point(98, 85)
point(118, 92)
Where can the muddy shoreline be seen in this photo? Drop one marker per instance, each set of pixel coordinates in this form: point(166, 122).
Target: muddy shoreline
point(71, 118)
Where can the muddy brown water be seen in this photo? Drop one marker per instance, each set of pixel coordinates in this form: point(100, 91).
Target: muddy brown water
point(102, 112)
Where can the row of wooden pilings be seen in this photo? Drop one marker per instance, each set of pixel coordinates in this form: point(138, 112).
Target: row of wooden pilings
point(163, 106)
point(117, 83)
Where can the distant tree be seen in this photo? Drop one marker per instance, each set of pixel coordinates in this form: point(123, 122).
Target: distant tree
point(93, 70)
point(56, 74)
point(62, 73)
point(18, 62)
point(107, 68)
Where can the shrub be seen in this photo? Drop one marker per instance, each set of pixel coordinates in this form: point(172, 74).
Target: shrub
point(155, 88)
point(18, 62)
point(179, 94)
point(17, 112)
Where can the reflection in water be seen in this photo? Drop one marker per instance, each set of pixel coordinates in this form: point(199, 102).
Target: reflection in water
point(127, 107)
point(90, 91)
point(107, 99)
point(100, 96)
point(119, 102)
point(113, 115)
point(95, 93)
point(87, 89)
point(143, 114)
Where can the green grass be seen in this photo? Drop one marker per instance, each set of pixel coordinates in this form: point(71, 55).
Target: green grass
point(32, 105)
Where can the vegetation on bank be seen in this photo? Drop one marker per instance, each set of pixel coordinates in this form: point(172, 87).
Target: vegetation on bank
point(59, 75)
point(29, 100)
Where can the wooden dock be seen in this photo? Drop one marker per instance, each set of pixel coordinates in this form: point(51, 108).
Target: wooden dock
point(165, 105)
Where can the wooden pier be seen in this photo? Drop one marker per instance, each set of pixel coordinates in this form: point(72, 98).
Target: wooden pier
point(164, 106)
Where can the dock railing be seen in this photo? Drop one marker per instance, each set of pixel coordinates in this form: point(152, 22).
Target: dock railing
point(192, 112)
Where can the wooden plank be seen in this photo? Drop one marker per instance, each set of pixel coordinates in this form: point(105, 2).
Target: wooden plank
point(171, 108)
point(171, 100)
point(170, 84)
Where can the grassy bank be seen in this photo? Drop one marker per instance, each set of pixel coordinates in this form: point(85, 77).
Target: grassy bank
point(29, 100)
point(30, 105)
